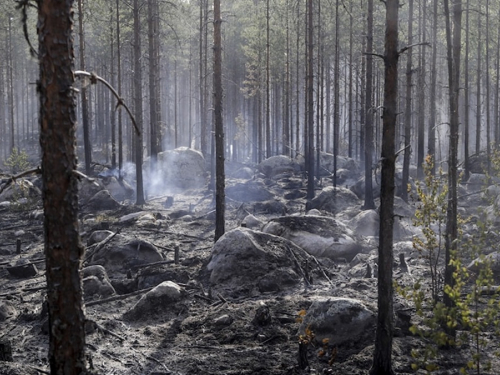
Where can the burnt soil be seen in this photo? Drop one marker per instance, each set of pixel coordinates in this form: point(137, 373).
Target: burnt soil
point(191, 339)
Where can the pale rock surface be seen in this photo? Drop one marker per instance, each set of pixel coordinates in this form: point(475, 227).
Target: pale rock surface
point(340, 320)
point(246, 262)
point(160, 300)
point(320, 236)
point(334, 200)
point(182, 167)
point(276, 165)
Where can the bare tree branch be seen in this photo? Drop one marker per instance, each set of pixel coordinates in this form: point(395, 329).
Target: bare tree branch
point(93, 80)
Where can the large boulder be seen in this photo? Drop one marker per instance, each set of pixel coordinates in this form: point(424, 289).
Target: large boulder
point(120, 190)
point(276, 165)
point(123, 254)
point(87, 189)
point(96, 283)
point(478, 163)
point(339, 320)
point(366, 223)
point(180, 168)
point(247, 262)
point(334, 200)
point(161, 300)
point(326, 162)
point(320, 236)
point(250, 191)
point(102, 200)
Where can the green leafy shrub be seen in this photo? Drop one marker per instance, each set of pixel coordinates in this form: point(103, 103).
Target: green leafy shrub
point(17, 161)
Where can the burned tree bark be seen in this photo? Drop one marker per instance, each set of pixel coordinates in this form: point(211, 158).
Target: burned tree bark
point(220, 195)
point(382, 357)
point(63, 248)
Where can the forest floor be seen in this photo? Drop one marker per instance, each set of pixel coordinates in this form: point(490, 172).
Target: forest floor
point(194, 339)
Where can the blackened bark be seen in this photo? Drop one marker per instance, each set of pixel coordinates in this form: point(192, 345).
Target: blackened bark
point(310, 102)
point(85, 104)
point(368, 131)
point(154, 79)
point(220, 196)
point(453, 39)
point(431, 140)
point(63, 248)
point(407, 126)
point(382, 358)
point(421, 94)
point(138, 104)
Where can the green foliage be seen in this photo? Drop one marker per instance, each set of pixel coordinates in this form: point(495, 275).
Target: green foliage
point(17, 161)
point(475, 301)
point(431, 217)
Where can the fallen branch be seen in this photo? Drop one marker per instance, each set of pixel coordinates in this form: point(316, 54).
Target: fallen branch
point(298, 265)
point(101, 244)
point(139, 266)
point(105, 330)
point(157, 361)
point(322, 270)
point(117, 298)
point(13, 178)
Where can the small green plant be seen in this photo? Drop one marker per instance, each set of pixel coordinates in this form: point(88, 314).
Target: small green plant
point(474, 297)
point(431, 217)
point(17, 161)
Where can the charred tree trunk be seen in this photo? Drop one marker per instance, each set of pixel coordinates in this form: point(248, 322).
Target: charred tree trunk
point(421, 95)
point(407, 127)
point(431, 143)
point(138, 104)
point(63, 248)
point(382, 357)
point(368, 112)
point(310, 102)
point(154, 80)
point(220, 197)
point(478, 82)
point(453, 41)
point(119, 78)
point(85, 102)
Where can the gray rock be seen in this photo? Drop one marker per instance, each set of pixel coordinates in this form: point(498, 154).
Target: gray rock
point(23, 269)
point(276, 165)
point(250, 191)
point(244, 173)
point(340, 320)
point(246, 262)
point(223, 321)
point(179, 168)
point(93, 288)
point(7, 311)
point(98, 236)
point(21, 188)
point(366, 223)
point(320, 236)
point(102, 200)
point(119, 190)
point(334, 200)
point(251, 222)
point(124, 254)
point(87, 189)
point(160, 300)
point(96, 282)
